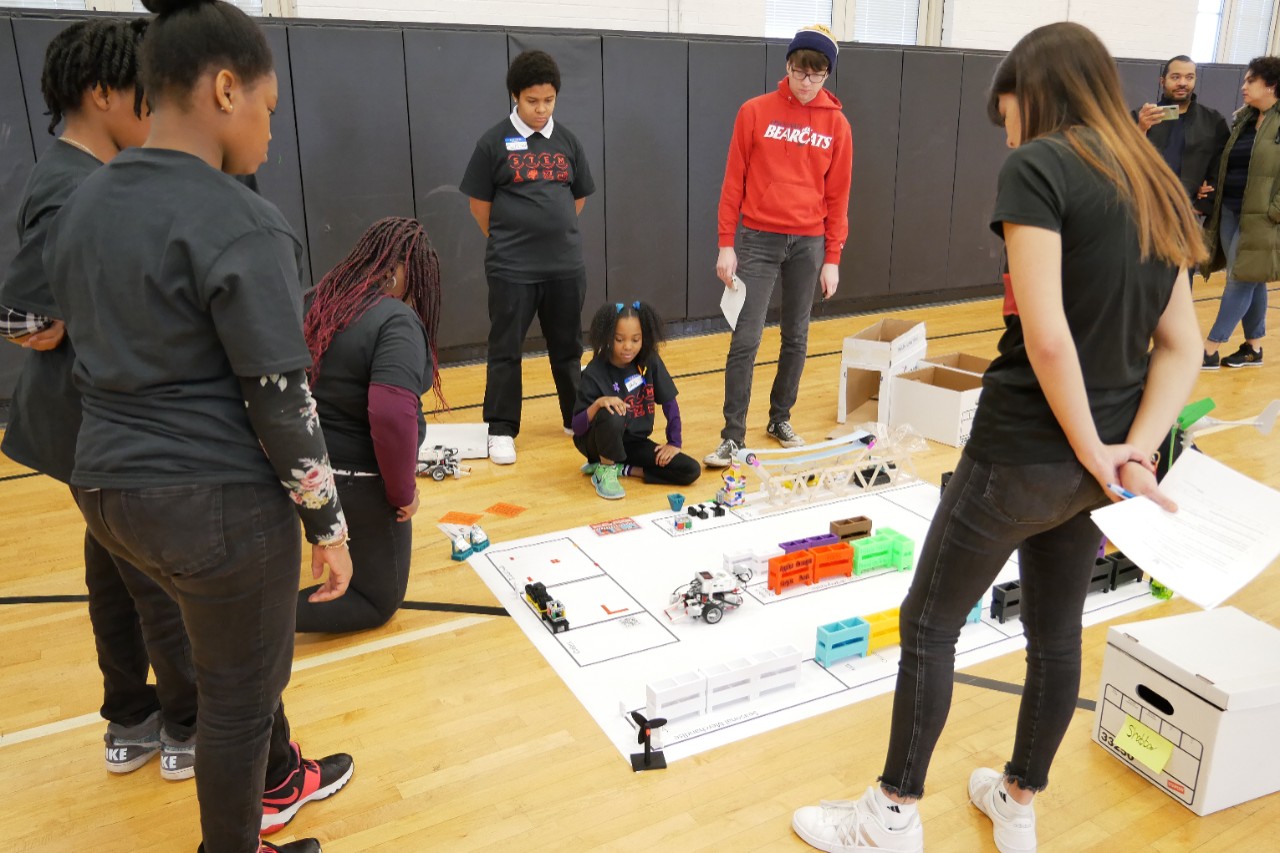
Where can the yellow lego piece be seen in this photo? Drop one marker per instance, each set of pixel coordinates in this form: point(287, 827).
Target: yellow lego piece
point(884, 629)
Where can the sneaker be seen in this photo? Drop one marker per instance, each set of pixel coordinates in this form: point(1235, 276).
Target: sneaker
point(605, 479)
point(311, 781)
point(177, 757)
point(723, 455)
point(781, 432)
point(588, 469)
point(842, 825)
point(130, 747)
point(1012, 835)
point(1211, 362)
point(568, 431)
point(502, 450)
point(1246, 356)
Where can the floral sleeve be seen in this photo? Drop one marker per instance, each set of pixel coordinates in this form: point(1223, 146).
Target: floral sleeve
point(283, 414)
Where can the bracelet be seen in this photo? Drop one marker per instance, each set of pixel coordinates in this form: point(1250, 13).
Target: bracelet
point(339, 542)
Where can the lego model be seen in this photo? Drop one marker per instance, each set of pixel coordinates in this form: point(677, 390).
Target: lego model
point(1006, 600)
point(883, 629)
point(683, 522)
point(650, 759)
point(465, 539)
point(439, 462)
point(946, 478)
point(676, 501)
point(838, 641)
point(479, 539)
point(714, 687)
point(851, 528)
point(706, 510)
point(1160, 591)
point(708, 595)
point(550, 609)
point(885, 549)
point(734, 491)
point(975, 615)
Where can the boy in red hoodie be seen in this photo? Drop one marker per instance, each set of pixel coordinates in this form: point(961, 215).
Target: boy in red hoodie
point(785, 205)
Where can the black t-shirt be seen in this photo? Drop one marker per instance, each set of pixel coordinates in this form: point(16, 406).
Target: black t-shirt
point(387, 345)
point(173, 279)
point(1113, 301)
point(641, 389)
point(1238, 166)
point(44, 416)
point(533, 185)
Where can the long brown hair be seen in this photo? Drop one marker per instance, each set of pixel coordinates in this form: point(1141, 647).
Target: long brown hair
point(1065, 81)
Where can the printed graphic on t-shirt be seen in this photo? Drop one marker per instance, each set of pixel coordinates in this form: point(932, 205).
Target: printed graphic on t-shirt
point(800, 135)
point(639, 399)
point(532, 166)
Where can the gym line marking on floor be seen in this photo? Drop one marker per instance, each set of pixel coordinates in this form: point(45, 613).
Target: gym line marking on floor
point(312, 662)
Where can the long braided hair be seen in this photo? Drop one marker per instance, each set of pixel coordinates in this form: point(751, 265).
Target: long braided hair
point(357, 284)
point(88, 54)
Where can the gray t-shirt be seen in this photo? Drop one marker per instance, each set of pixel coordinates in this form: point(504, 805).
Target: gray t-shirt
point(173, 279)
point(44, 415)
point(533, 185)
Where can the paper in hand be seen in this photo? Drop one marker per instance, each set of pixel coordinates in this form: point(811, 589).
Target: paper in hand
point(1221, 537)
point(732, 301)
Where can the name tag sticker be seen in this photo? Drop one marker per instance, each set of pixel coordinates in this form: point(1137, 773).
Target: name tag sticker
point(517, 143)
point(1144, 744)
point(634, 382)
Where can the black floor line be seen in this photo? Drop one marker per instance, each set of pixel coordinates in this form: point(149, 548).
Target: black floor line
point(42, 599)
point(1014, 689)
point(20, 476)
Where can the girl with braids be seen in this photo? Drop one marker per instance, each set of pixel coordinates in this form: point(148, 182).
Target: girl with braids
point(620, 390)
point(90, 80)
point(1100, 352)
point(371, 329)
point(179, 287)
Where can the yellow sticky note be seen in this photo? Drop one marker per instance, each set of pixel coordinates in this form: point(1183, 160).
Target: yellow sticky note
point(1144, 744)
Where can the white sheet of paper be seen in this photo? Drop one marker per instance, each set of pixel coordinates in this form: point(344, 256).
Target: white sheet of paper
point(470, 440)
point(1222, 536)
point(732, 301)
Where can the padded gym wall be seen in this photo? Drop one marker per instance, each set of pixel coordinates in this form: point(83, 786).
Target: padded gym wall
point(280, 178)
point(926, 171)
point(975, 251)
point(444, 124)
point(646, 133)
point(353, 133)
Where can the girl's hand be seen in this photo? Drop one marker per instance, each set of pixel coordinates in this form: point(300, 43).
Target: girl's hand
point(1105, 462)
point(1141, 480)
point(405, 513)
point(611, 404)
point(664, 454)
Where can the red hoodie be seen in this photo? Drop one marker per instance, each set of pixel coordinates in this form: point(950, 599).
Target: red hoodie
point(788, 169)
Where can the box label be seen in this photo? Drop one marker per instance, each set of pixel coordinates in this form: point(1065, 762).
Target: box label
point(1144, 744)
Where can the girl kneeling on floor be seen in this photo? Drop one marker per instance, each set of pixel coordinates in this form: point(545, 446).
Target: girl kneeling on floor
point(620, 390)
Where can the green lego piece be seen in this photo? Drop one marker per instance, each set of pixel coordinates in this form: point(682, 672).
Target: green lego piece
point(884, 549)
point(1160, 591)
point(1194, 412)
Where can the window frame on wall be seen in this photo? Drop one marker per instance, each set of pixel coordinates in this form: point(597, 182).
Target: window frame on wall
point(1230, 23)
point(782, 18)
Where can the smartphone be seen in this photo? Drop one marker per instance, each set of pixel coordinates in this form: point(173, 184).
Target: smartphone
point(1170, 112)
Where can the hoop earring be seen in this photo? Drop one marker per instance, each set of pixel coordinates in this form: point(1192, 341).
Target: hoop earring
point(393, 282)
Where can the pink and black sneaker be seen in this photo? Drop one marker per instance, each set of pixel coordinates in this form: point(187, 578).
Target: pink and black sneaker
point(310, 781)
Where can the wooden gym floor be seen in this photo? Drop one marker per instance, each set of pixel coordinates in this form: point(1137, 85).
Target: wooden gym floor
point(464, 738)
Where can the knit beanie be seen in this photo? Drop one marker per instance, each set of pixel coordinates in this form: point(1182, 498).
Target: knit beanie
point(819, 38)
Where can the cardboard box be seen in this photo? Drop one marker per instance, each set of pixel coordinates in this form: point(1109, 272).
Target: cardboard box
point(880, 346)
point(938, 402)
point(962, 361)
point(869, 358)
point(1209, 682)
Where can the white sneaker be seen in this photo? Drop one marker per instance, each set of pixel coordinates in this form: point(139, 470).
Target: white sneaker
point(502, 450)
point(1012, 835)
point(837, 826)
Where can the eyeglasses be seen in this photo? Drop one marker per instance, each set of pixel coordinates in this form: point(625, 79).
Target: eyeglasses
point(800, 76)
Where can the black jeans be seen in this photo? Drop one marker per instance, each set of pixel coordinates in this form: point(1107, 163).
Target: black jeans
point(136, 625)
point(986, 512)
point(380, 552)
point(764, 259)
point(608, 437)
point(557, 304)
point(229, 555)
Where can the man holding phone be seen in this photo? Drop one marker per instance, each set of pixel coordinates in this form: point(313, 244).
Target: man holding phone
point(1187, 133)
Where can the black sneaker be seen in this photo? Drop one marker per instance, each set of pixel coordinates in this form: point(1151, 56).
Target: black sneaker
point(1210, 362)
point(781, 432)
point(1246, 356)
point(130, 747)
point(310, 781)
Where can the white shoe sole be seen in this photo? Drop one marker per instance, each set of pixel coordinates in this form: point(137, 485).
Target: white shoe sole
point(277, 821)
point(130, 766)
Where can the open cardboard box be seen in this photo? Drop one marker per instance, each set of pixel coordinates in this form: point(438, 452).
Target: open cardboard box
point(963, 361)
point(938, 402)
point(881, 345)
